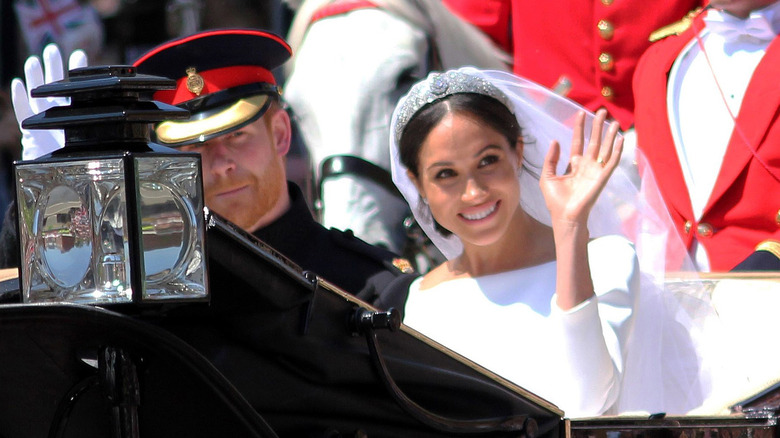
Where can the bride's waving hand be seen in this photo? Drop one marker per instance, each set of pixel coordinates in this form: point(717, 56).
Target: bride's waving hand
point(570, 196)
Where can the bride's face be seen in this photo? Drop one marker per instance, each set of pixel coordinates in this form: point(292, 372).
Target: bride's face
point(468, 174)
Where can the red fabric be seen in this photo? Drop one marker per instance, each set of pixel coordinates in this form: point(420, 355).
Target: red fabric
point(216, 80)
point(561, 38)
point(340, 7)
point(491, 16)
point(743, 207)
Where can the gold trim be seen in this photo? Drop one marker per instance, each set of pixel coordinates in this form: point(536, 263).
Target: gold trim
point(675, 28)
point(403, 265)
point(240, 112)
point(772, 246)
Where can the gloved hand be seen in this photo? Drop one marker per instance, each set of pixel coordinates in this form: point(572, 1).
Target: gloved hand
point(38, 142)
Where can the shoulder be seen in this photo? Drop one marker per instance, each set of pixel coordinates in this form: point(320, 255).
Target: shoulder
point(347, 241)
point(676, 28)
point(669, 40)
point(388, 283)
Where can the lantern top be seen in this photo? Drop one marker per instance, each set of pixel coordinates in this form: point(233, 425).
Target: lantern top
point(111, 107)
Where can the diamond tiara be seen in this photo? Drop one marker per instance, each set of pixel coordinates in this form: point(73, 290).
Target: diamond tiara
point(437, 86)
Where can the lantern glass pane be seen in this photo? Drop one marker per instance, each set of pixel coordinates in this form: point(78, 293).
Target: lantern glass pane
point(73, 231)
point(172, 226)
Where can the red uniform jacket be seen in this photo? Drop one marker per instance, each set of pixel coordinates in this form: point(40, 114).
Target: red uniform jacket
point(743, 207)
point(595, 44)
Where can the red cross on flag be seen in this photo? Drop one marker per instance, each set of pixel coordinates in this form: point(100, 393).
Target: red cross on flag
point(54, 21)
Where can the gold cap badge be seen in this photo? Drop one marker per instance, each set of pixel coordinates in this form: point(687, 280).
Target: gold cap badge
point(403, 265)
point(195, 81)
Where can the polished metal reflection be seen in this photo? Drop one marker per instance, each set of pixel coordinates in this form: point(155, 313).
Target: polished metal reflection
point(163, 225)
point(78, 219)
point(74, 215)
point(172, 227)
point(64, 239)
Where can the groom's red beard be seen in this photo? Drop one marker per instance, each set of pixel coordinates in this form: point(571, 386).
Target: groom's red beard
point(245, 198)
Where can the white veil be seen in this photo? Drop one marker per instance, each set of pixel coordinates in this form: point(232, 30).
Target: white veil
point(543, 116)
point(660, 325)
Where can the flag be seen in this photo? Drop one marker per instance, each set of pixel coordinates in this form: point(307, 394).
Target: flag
point(57, 21)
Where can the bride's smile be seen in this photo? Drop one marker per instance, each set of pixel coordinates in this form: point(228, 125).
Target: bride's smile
point(480, 212)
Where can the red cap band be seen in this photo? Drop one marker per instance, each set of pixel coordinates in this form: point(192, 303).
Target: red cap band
point(215, 80)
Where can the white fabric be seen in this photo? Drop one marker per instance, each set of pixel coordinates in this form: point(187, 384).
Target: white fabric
point(757, 26)
point(365, 208)
point(702, 123)
point(510, 324)
point(545, 116)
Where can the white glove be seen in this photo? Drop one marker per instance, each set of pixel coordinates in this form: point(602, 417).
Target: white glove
point(38, 142)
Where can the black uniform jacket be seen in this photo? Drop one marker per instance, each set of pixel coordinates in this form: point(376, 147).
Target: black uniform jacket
point(337, 256)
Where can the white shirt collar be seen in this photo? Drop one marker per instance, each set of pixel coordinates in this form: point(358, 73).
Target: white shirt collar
point(762, 24)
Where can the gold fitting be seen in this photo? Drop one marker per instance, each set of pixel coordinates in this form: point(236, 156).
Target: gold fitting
point(769, 246)
point(704, 229)
point(606, 30)
point(403, 265)
point(777, 218)
point(687, 227)
point(195, 82)
point(606, 62)
point(607, 2)
point(608, 93)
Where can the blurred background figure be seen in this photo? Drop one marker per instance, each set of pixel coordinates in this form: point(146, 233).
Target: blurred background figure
point(586, 50)
point(352, 61)
point(707, 119)
point(69, 24)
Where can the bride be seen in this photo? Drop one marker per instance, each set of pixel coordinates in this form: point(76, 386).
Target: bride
point(528, 291)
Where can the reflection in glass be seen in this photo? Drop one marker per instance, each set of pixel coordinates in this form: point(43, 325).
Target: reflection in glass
point(162, 227)
point(74, 231)
point(171, 213)
point(77, 219)
point(113, 275)
point(66, 243)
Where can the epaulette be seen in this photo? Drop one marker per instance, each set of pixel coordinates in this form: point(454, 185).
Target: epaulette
point(347, 239)
point(770, 246)
point(675, 28)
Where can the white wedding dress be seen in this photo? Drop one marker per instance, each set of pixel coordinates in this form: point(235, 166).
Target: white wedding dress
point(509, 323)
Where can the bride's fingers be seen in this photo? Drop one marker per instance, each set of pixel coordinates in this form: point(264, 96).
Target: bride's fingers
point(613, 161)
point(607, 146)
point(578, 133)
point(551, 160)
point(594, 145)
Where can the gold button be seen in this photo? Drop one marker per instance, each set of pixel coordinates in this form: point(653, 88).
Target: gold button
point(606, 62)
point(704, 230)
point(777, 218)
point(608, 93)
point(688, 225)
point(606, 30)
point(606, 2)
